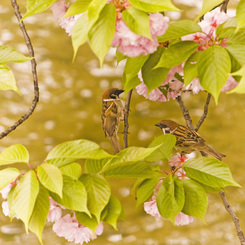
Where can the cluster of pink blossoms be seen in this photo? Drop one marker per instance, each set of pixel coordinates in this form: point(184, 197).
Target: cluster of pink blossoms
point(205, 39)
point(150, 207)
point(67, 226)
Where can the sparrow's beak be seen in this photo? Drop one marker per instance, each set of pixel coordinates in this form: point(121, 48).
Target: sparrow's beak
point(158, 125)
point(119, 91)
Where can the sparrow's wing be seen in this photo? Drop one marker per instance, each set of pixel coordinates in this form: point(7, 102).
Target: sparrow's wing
point(109, 117)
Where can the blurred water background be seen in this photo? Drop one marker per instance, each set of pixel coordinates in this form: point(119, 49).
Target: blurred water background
point(69, 109)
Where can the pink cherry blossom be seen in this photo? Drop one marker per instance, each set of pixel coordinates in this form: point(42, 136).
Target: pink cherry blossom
point(69, 228)
point(194, 86)
point(151, 208)
point(59, 9)
point(183, 219)
point(5, 191)
point(55, 211)
point(230, 84)
point(6, 212)
point(133, 45)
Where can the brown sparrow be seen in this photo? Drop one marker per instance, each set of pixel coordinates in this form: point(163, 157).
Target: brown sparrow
point(187, 140)
point(112, 115)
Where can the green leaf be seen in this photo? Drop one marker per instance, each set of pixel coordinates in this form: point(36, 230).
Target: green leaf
point(8, 175)
point(131, 70)
point(137, 21)
point(72, 170)
point(8, 54)
point(40, 213)
point(120, 56)
point(94, 166)
point(99, 192)
point(209, 171)
point(238, 51)
point(102, 32)
point(37, 6)
point(145, 189)
point(240, 89)
point(179, 29)
point(240, 13)
point(79, 33)
point(77, 7)
point(51, 177)
point(74, 195)
point(14, 154)
point(112, 212)
point(164, 152)
point(153, 78)
point(177, 53)
point(72, 151)
point(25, 195)
point(190, 68)
point(196, 202)
point(11, 203)
point(90, 222)
point(170, 198)
point(209, 189)
point(213, 69)
point(207, 6)
point(237, 38)
point(7, 79)
point(132, 170)
point(151, 6)
point(94, 9)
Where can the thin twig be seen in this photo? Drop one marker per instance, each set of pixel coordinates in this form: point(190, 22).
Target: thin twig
point(126, 113)
point(224, 6)
point(205, 113)
point(185, 113)
point(234, 218)
point(34, 73)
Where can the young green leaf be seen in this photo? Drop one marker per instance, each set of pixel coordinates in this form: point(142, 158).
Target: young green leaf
point(78, 7)
point(51, 177)
point(209, 171)
point(179, 29)
point(237, 38)
point(130, 84)
point(145, 189)
point(14, 154)
point(73, 170)
point(7, 79)
point(99, 192)
point(24, 196)
point(11, 203)
point(71, 151)
point(74, 195)
point(196, 202)
point(207, 6)
point(150, 6)
point(238, 51)
point(94, 9)
point(120, 56)
point(240, 89)
point(190, 68)
point(102, 32)
point(213, 69)
point(130, 170)
point(8, 54)
point(8, 175)
point(37, 6)
point(40, 213)
point(94, 166)
point(84, 219)
point(176, 54)
point(240, 14)
point(164, 152)
point(170, 198)
point(153, 78)
point(137, 21)
point(112, 211)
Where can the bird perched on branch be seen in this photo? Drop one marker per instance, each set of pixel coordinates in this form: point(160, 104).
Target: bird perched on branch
point(187, 140)
point(112, 115)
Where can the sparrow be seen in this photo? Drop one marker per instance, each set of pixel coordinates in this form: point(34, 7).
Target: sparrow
point(187, 140)
point(112, 115)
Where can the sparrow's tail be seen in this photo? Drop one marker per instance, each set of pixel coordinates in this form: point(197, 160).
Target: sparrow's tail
point(213, 152)
point(115, 143)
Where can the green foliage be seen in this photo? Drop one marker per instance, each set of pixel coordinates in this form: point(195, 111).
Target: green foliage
point(207, 6)
point(241, 86)
point(153, 6)
point(73, 170)
point(137, 21)
point(240, 14)
point(14, 154)
point(78, 7)
point(214, 67)
point(179, 29)
point(8, 54)
point(8, 175)
point(24, 197)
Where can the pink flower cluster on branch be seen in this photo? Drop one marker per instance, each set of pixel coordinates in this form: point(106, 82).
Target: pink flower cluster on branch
point(150, 207)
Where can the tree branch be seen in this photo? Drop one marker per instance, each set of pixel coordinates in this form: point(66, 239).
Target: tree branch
point(126, 113)
point(224, 6)
point(205, 113)
point(34, 73)
point(234, 218)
